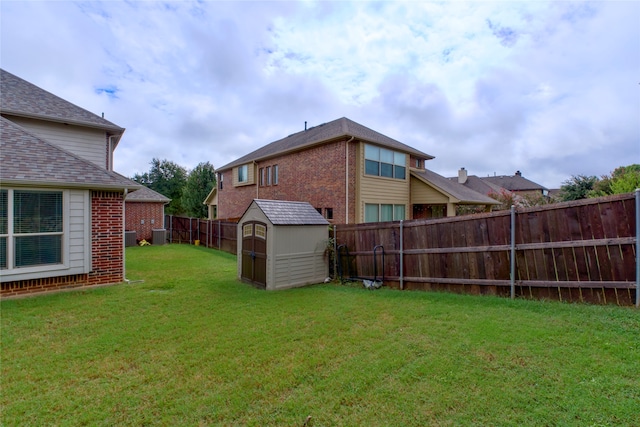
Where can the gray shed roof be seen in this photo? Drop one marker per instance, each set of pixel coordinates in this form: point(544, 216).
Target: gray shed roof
point(27, 159)
point(336, 129)
point(145, 194)
point(281, 212)
point(463, 194)
point(18, 97)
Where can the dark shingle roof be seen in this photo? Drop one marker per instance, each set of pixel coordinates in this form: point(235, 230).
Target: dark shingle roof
point(463, 194)
point(145, 194)
point(514, 183)
point(479, 185)
point(26, 159)
point(339, 128)
point(281, 212)
point(18, 97)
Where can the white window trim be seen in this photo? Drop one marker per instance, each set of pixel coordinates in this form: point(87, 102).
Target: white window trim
point(25, 273)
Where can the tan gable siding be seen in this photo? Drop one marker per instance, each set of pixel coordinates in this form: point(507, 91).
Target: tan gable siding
point(422, 193)
point(90, 144)
point(251, 175)
point(379, 190)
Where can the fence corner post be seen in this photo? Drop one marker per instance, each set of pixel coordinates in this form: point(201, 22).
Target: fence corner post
point(512, 274)
point(637, 247)
point(401, 255)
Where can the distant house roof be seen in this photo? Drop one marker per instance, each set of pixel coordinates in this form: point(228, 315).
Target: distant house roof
point(281, 212)
point(478, 184)
point(145, 194)
point(514, 183)
point(18, 97)
point(463, 194)
point(333, 130)
point(27, 159)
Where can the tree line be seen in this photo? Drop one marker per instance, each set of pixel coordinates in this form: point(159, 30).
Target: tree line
point(186, 189)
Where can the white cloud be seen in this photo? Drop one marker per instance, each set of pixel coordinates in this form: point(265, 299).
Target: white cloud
point(548, 88)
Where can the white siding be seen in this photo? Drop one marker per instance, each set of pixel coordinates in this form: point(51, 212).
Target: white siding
point(90, 144)
point(78, 231)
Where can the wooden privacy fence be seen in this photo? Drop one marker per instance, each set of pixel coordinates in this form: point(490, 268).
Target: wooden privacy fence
point(210, 233)
point(583, 251)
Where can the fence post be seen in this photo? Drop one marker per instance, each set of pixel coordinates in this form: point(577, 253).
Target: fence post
point(335, 250)
point(401, 255)
point(513, 252)
point(637, 247)
point(170, 228)
point(219, 234)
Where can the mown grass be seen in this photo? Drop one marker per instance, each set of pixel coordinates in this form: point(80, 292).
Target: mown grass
point(192, 346)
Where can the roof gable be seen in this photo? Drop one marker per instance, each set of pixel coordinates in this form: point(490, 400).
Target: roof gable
point(30, 160)
point(340, 128)
point(281, 212)
point(18, 97)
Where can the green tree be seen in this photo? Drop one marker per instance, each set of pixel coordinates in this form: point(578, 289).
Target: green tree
point(625, 179)
point(578, 187)
point(168, 179)
point(199, 183)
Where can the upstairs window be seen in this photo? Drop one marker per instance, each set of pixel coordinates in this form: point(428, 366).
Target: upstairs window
point(275, 174)
point(383, 162)
point(243, 173)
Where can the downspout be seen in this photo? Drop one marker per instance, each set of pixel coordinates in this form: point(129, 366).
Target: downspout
point(346, 179)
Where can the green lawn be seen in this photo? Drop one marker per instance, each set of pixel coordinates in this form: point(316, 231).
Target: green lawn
point(191, 346)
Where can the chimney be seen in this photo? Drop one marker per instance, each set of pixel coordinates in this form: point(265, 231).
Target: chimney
point(305, 125)
point(518, 173)
point(462, 176)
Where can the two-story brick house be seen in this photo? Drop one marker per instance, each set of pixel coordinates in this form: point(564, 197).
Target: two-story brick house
point(61, 204)
point(348, 172)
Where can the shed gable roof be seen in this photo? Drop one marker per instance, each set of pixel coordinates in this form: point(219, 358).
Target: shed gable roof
point(281, 212)
point(333, 130)
point(30, 160)
point(18, 97)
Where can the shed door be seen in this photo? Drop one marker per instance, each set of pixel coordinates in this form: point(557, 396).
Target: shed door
point(254, 253)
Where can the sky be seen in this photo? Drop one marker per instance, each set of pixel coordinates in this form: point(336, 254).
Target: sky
point(551, 89)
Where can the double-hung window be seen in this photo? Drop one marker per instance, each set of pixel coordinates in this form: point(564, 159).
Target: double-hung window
point(31, 228)
point(384, 212)
point(383, 162)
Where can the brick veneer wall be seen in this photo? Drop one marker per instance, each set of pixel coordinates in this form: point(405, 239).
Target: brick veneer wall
point(106, 251)
point(316, 175)
point(143, 217)
point(106, 238)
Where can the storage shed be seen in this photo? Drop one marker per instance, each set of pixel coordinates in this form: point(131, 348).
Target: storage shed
point(281, 244)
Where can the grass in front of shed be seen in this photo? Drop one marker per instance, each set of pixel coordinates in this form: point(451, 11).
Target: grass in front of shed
point(192, 346)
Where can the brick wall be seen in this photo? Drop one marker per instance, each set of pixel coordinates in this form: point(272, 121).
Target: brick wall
point(316, 175)
point(143, 217)
point(106, 238)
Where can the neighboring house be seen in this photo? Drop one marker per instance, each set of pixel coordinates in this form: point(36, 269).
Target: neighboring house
point(516, 184)
point(348, 172)
point(61, 205)
point(144, 212)
point(212, 203)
